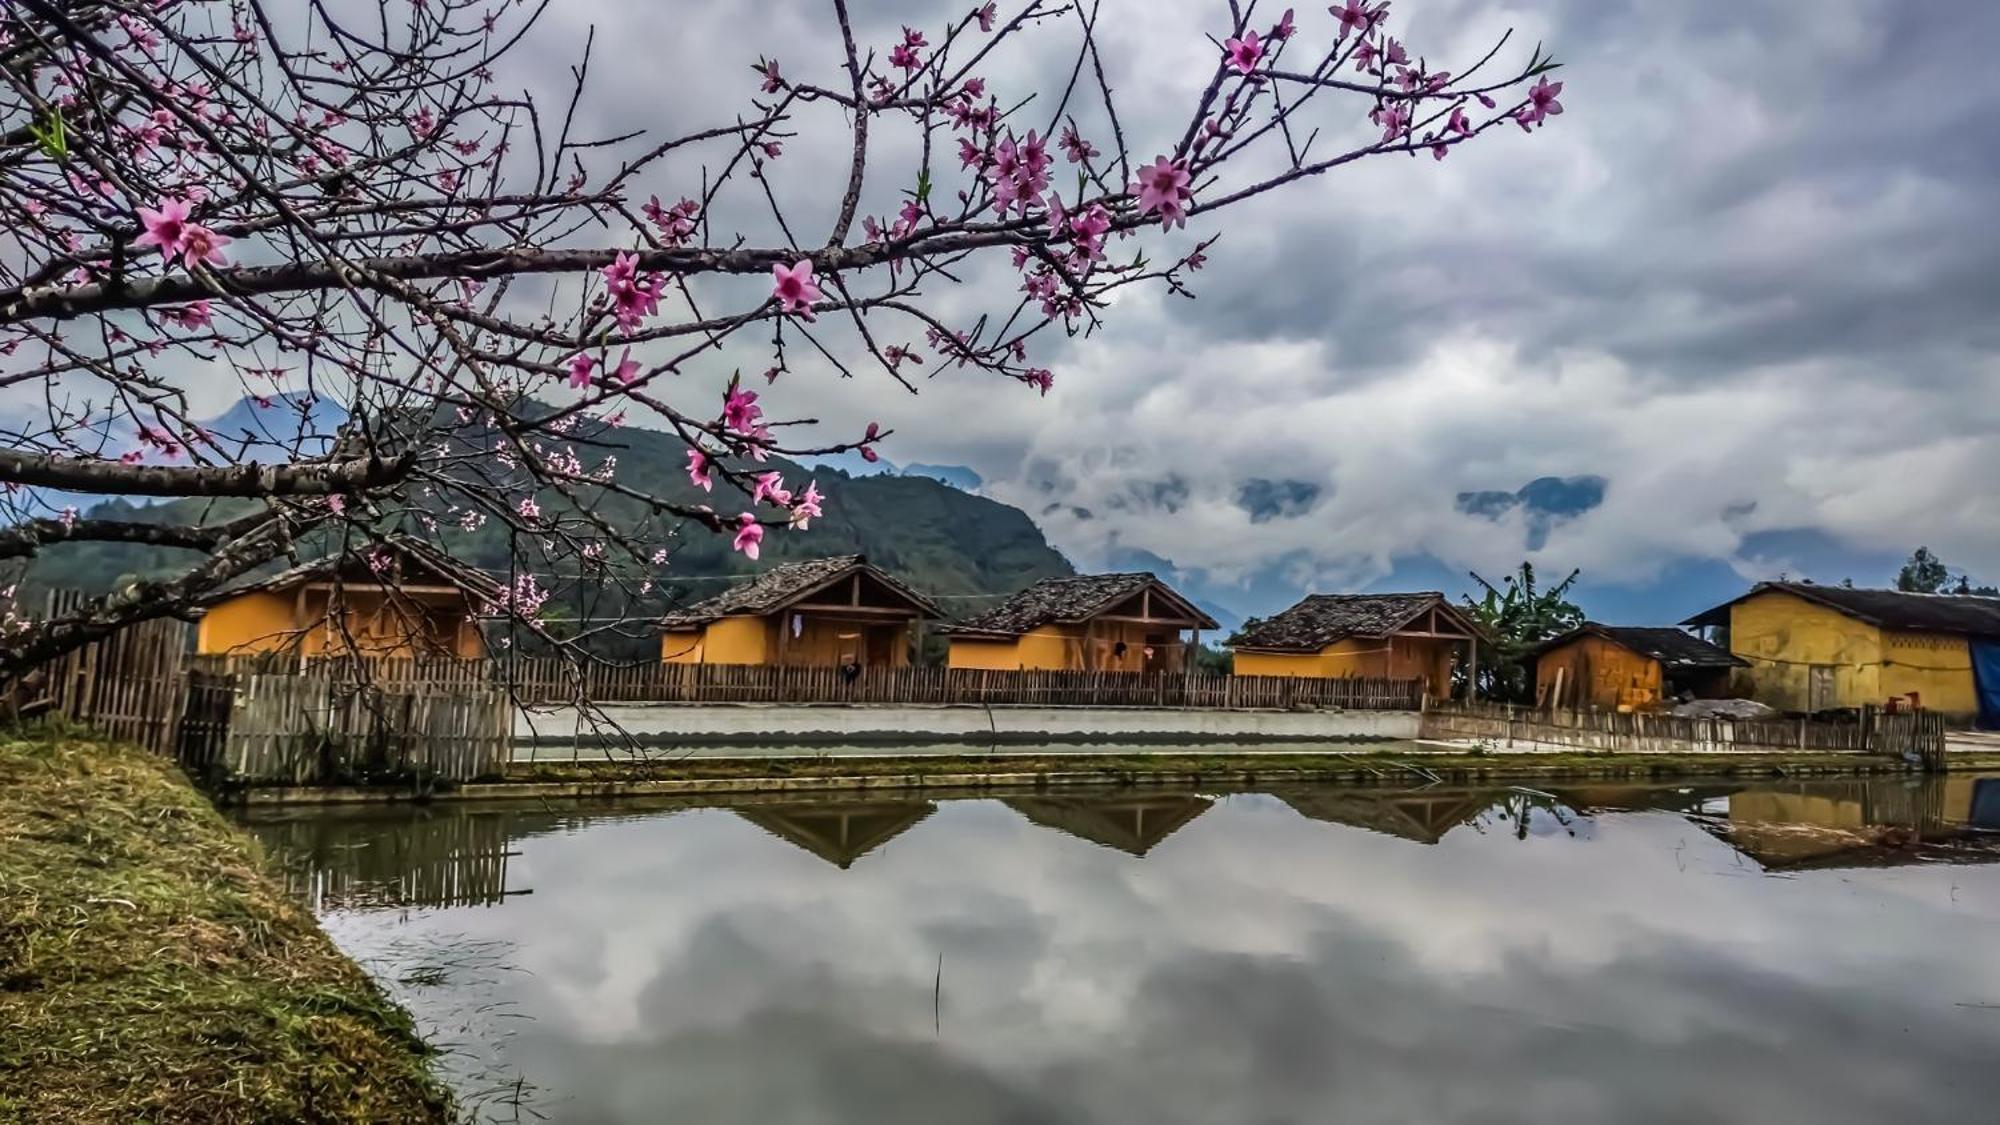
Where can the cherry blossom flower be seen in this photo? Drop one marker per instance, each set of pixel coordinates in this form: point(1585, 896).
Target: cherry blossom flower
point(580, 368)
point(1284, 29)
point(1356, 17)
point(529, 509)
point(984, 14)
point(627, 369)
point(1075, 148)
point(1244, 54)
point(700, 471)
point(1458, 122)
point(807, 509)
point(795, 288)
point(633, 298)
point(196, 315)
point(1162, 188)
point(1040, 377)
point(165, 226)
point(868, 440)
point(68, 518)
point(1542, 103)
point(773, 81)
point(771, 486)
point(1394, 120)
point(740, 410)
point(749, 533)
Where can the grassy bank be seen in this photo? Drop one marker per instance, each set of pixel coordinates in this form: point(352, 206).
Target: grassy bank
point(150, 972)
point(1027, 771)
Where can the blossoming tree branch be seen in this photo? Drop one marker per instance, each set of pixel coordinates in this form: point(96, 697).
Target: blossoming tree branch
point(338, 202)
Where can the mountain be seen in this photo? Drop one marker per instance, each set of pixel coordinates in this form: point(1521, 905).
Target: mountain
point(957, 476)
point(940, 539)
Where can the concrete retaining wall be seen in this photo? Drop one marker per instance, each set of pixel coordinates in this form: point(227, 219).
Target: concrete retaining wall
point(751, 729)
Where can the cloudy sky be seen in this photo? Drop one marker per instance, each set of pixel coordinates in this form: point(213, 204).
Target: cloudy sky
point(1738, 302)
point(1730, 316)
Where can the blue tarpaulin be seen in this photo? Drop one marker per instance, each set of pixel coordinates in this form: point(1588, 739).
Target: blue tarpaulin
point(1986, 681)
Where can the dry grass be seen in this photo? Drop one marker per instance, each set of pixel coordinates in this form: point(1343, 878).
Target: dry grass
point(150, 972)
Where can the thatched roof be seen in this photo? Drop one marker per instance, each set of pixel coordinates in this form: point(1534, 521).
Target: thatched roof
point(1322, 619)
point(1076, 599)
point(772, 590)
point(412, 562)
point(1671, 647)
point(1889, 609)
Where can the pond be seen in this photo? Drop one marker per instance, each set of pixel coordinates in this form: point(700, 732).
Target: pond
point(1707, 952)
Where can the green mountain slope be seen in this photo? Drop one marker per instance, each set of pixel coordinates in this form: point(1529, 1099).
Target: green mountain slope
point(936, 537)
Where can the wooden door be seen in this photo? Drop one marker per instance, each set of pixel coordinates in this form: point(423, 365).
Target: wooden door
point(1819, 688)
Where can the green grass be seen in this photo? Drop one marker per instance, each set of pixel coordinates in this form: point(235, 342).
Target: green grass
point(1360, 766)
point(150, 972)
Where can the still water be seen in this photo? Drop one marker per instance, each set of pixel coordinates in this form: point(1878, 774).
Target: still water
point(1823, 952)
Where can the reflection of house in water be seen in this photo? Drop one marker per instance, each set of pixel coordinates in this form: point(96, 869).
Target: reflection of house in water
point(1129, 823)
point(1864, 823)
point(837, 833)
point(428, 860)
point(1422, 815)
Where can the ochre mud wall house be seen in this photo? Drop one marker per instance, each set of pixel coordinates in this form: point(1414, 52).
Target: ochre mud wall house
point(1816, 648)
point(1624, 667)
point(1399, 636)
point(830, 612)
point(402, 599)
point(1093, 622)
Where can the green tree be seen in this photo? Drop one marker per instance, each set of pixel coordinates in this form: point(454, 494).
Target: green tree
point(1925, 573)
point(1516, 616)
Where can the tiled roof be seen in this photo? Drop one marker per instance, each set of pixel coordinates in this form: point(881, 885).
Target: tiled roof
point(774, 589)
point(1670, 647)
point(413, 562)
point(1322, 619)
point(1893, 609)
point(1068, 601)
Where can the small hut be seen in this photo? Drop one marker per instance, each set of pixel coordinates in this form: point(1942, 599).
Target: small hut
point(400, 598)
point(1393, 636)
point(832, 612)
point(1626, 667)
point(1091, 622)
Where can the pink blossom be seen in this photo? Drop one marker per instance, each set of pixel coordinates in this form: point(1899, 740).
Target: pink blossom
point(868, 440)
point(1542, 103)
point(164, 226)
point(1244, 54)
point(423, 123)
point(1364, 55)
point(68, 518)
point(740, 410)
point(1356, 17)
point(700, 471)
point(201, 245)
point(1458, 123)
point(529, 509)
point(1075, 148)
point(749, 533)
point(771, 486)
point(627, 369)
point(336, 504)
point(1163, 189)
point(580, 368)
point(1284, 29)
point(970, 155)
point(984, 14)
point(380, 562)
point(1394, 54)
point(633, 298)
point(773, 82)
point(447, 180)
point(195, 315)
point(1040, 377)
point(1394, 120)
point(807, 509)
point(795, 288)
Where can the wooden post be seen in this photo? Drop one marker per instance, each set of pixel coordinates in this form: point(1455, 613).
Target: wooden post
point(1472, 671)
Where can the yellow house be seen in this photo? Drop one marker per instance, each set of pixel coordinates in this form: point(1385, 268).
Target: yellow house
point(829, 612)
point(1395, 636)
point(1092, 622)
point(1625, 667)
point(402, 599)
point(1814, 648)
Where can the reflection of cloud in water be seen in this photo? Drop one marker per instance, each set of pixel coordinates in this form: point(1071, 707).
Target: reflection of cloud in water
point(1265, 967)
